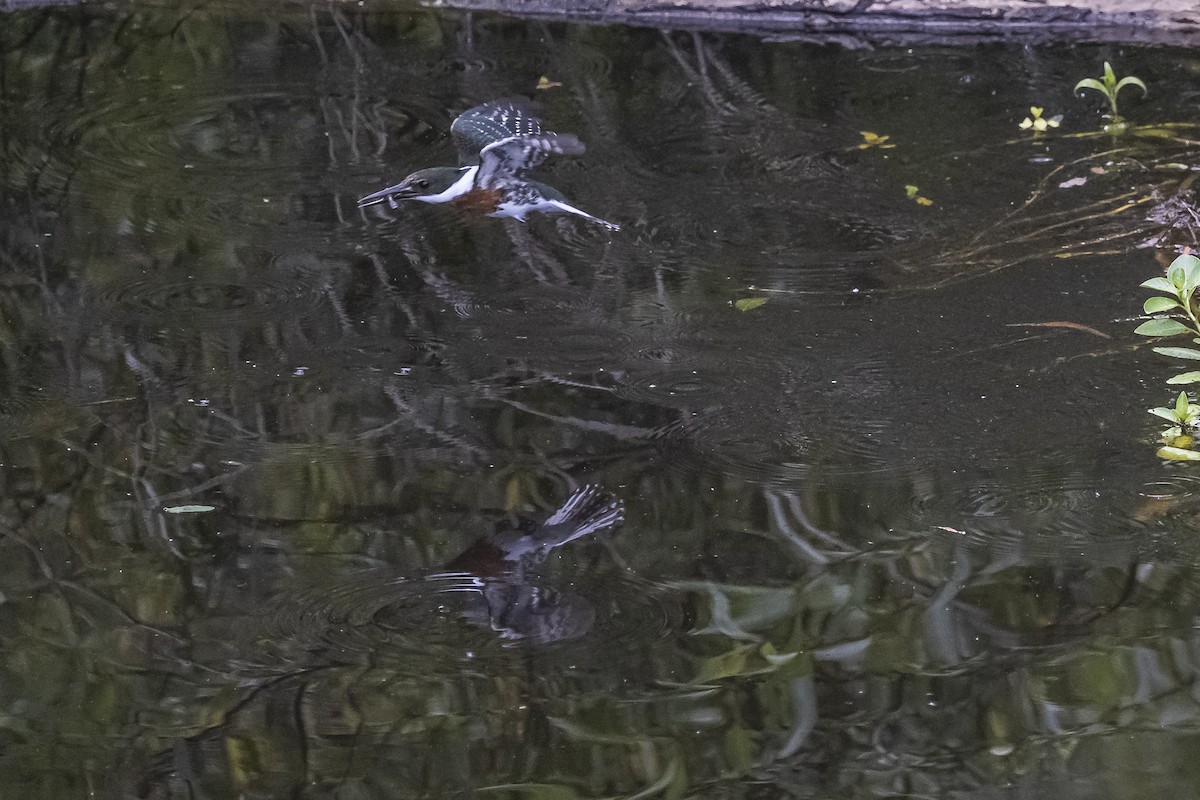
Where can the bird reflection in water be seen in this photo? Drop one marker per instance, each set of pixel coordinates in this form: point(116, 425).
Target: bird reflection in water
point(499, 564)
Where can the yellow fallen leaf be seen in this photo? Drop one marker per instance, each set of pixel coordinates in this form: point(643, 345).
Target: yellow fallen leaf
point(545, 83)
point(749, 303)
point(872, 139)
point(1178, 454)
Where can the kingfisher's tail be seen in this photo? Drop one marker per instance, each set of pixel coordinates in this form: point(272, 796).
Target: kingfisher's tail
point(589, 510)
point(567, 208)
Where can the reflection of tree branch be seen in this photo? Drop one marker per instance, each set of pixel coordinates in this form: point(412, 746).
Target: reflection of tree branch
point(393, 394)
point(806, 550)
point(57, 584)
point(806, 523)
point(547, 377)
point(386, 286)
point(699, 74)
point(613, 429)
point(533, 253)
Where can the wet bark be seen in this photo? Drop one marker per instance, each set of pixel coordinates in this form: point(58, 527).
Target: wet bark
point(871, 22)
point(863, 22)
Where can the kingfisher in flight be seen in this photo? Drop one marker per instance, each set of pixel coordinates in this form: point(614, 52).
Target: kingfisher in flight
point(497, 143)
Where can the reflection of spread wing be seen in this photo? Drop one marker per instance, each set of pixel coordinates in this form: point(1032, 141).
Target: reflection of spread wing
point(480, 126)
point(511, 157)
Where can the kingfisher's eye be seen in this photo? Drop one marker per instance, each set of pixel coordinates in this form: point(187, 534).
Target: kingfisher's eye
point(422, 184)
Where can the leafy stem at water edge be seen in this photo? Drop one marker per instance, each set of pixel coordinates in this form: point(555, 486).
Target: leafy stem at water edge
point(1175, 313)
point(1176, 299)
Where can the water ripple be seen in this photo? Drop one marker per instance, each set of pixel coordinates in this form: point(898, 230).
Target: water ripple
point(454, 621)
point(207, 303)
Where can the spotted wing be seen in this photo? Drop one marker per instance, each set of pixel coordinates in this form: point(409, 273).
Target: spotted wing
point(478, 127)
point(510, 158)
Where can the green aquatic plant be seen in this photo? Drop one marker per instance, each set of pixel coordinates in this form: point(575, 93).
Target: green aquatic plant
point(1175, 313)
point(1183, 416)
point(1109, 86)
point(1179, 439)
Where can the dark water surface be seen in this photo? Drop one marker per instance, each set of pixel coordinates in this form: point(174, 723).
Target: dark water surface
point(888, 533)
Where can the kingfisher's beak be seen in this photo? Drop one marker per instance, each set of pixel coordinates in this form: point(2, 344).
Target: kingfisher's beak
point(401, 191)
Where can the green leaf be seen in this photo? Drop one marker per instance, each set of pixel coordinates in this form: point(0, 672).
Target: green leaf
point(1178, 454)
point(1181, 406)
point(1177, 275)
point(1190, 267)
point(726, 665)
point(1186, 261)
point(749, 303)
point(1179, 352)
point(1165, 413)
point(1129, 80)
point(1091, 83)
point(1184, 377)
point(739, 749)
point(189, 509)
point(1159, 284)
point(1154, 305)
point(1162, 327)
point(774, 658)
point(1110, 77)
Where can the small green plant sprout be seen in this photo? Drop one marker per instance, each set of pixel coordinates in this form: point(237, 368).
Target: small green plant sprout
point(1184, 415)
point(1110, 87)
point(1179, 439)
point(1039, 123)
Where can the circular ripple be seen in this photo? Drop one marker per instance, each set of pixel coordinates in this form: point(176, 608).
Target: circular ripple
point(443, 622)
point(1046, 512)
point(667, 354)
point(679, 388)
point(1178, 488)
point(782, 450)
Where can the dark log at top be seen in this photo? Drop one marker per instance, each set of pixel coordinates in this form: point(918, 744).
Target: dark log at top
point(879, 22)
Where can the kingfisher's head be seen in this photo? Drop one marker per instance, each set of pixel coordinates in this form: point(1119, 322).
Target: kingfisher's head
point(422, 183)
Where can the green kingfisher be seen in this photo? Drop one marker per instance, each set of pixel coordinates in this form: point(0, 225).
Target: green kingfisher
point(497, 144)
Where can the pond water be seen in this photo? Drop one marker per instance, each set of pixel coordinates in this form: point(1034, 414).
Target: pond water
point(893, 521)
